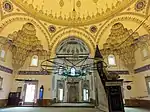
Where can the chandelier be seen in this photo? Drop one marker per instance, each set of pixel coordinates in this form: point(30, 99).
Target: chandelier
point(72, 59)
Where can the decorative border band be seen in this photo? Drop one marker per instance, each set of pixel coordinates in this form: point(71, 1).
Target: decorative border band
point(118, 72)
point(8, 70)
point(33, 73)
point(5, 69)
point(142, 69)
point(46, 73)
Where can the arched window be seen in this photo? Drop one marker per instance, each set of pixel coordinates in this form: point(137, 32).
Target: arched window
point(2, 53)
point(73, 71)
point(111, 60)
point(86, 91)
point(145, 52)
point(34, 60)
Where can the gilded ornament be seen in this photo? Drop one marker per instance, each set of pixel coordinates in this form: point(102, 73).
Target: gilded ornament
point(44, 17)
point(52, 28)
point(120, 43)
point(78, 4)
point(140, 5)
point(95, 1)
point(93, 29)
point(31, 6)
point(88, 17)
point(61, 3)
point(24, 43)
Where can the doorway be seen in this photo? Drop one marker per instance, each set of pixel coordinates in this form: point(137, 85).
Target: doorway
point(85, 95)
point(73, 92)
point(148, 84)
point(30, 92)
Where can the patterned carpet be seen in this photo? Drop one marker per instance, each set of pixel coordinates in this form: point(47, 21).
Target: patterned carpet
point(44, 109)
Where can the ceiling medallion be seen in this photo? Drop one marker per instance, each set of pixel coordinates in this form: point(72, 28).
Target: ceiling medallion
point(8, 7)
point(93, 29)
point(52, 28)
point(140, 5)
point(61, 3)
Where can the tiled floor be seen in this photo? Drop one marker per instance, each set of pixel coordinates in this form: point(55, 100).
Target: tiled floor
point(47, 109)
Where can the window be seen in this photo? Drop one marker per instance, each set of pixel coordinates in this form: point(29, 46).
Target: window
point(73, 71)
point(2, 54)
point(147, 79)
point(85, 94)
point(30, 93)
point(85, 90)
point(111, 60)
point(60, 90)
point(34, 61)
point(1, 82)
point(60, 94)
point(145, 52)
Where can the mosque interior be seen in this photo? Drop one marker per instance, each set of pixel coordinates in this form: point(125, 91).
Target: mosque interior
point(70, 53)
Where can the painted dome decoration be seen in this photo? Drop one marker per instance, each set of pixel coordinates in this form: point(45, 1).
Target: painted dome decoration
point(63, 12)
point(52, 28)
point(140, 5)
point(93, 29)
point(8, 7)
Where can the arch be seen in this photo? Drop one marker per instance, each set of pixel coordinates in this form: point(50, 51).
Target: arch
point(123, 17)
point(58, 38)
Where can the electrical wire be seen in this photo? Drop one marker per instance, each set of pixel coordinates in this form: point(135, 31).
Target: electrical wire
point(134, 31)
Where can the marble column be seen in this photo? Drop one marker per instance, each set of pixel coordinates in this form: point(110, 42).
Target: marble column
point(102, 98)
point(80, 91)
point(65, 92)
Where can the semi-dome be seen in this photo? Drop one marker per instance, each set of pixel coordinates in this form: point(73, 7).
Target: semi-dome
point(72, 46)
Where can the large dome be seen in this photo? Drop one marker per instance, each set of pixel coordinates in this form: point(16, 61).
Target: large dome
point(68, 12)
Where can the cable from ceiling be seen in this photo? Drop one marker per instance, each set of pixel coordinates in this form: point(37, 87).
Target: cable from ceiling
point(134, 31)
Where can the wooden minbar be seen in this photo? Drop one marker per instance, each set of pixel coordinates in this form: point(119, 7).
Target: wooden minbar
point(114, 94)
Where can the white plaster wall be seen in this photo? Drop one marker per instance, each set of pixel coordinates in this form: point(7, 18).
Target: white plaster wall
point(7, 77)
point(45, 80)
point(128, 94)
point(7, 84)
point(7, 62)
point(139, 60)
